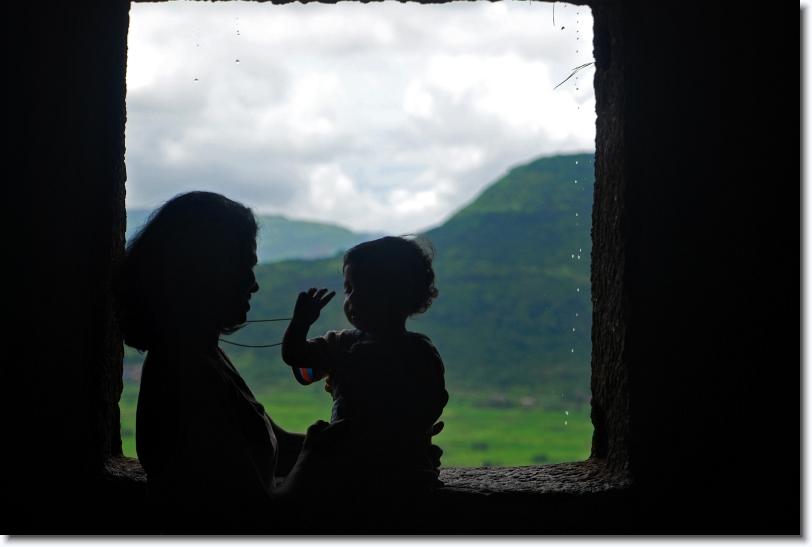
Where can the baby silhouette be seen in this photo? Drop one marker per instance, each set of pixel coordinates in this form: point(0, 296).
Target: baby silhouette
point(387, 382)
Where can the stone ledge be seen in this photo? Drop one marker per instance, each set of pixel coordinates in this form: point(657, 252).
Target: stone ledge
point(543, 483)
point(124, 469)
point(545, 499)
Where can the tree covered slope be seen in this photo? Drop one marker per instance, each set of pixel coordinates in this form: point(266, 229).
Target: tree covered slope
point(513, 273)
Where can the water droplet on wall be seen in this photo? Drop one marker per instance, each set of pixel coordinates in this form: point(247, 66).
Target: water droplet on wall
point(238, 61)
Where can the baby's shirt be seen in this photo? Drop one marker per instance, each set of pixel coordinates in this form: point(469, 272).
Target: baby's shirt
point(394, 385)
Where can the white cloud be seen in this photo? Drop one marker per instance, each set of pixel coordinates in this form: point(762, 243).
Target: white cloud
point(417, 100)
point(380, 117)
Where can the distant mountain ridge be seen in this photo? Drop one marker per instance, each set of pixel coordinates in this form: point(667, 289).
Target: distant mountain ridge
point(513, 271)
point(284, 239)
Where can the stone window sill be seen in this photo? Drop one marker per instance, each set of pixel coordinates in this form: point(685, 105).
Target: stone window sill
point(539, 483)
point(560, 498)
point(550, 482)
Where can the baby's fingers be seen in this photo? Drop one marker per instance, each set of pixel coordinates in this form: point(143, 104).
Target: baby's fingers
point(321, 299)
point(327, 299)
point(321, 292)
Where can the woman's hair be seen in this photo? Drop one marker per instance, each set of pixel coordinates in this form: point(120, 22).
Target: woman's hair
point(401, 265)
point(142, 263)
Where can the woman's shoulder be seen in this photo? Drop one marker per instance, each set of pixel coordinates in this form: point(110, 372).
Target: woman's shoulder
point(184, 361)
point(197, 374)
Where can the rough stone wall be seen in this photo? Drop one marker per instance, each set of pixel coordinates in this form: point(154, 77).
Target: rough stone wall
point(696, 261)
point(63, 225)
point(610, 405)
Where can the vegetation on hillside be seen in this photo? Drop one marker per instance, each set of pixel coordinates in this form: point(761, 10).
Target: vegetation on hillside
point(513, 273)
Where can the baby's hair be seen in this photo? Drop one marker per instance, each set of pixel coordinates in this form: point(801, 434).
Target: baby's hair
point(402, 264)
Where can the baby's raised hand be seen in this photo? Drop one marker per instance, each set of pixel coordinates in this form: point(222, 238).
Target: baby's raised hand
point(309, 305)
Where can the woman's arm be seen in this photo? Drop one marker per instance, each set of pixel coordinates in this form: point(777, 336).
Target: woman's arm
point(289, 446)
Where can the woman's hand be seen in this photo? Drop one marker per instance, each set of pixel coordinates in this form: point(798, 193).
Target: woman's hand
point(320, 462)
point(321, 435)
point(309, 305)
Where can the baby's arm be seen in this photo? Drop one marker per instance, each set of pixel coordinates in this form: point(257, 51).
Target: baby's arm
point(294, 342)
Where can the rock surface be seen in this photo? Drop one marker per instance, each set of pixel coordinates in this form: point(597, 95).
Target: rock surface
point(548, 481)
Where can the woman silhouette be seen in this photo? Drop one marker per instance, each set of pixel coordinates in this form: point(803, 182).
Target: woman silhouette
point(209, 449)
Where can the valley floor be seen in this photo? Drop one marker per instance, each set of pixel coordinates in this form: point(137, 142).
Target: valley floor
point(481, 428)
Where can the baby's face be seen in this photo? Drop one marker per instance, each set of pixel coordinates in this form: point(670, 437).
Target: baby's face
point(356, 299)
point(364, 305)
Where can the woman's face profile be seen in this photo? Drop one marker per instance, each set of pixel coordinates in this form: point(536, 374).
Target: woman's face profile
point(209, 273)
point(244, 285)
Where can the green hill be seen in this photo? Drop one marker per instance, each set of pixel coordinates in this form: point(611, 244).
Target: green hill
point(513, 273)
point(284, 239)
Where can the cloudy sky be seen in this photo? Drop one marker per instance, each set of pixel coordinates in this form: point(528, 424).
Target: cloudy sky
point(381, 117)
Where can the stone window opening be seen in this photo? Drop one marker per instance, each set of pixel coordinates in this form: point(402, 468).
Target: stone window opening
point(583, 451)
point(604, 472)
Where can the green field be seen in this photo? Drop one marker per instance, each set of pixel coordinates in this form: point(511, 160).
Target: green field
point(481, 428)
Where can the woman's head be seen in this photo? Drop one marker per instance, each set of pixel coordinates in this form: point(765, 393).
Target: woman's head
point(389, 276)
point(192, 259)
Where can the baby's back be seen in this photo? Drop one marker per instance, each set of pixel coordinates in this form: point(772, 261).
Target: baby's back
point(392, 392)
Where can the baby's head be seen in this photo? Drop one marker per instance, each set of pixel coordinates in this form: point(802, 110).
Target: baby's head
point(388, 280)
